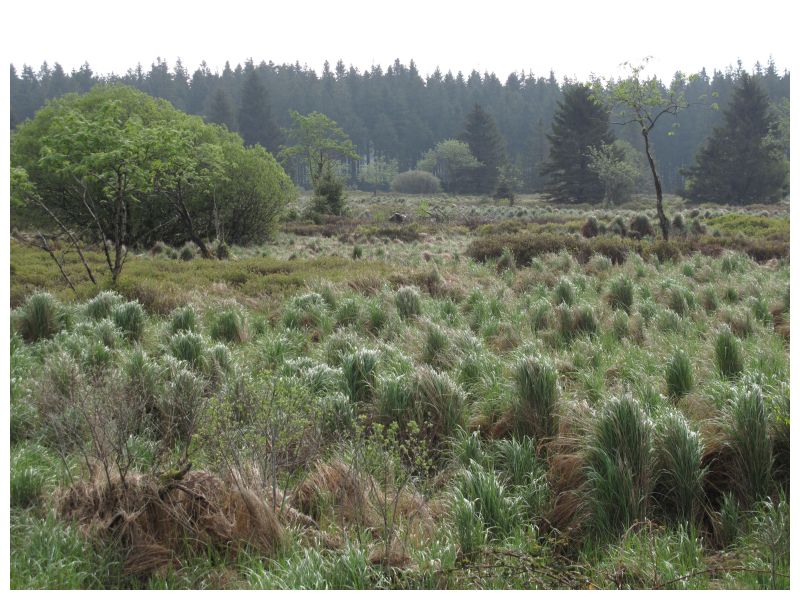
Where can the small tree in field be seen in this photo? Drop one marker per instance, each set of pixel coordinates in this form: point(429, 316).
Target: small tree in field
point(379, 173)
point(643, 102)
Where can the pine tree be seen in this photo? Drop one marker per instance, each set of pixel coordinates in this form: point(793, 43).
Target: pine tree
point(255, 117)
point(486, 145)
point(580, 123)
point(220, 110)
point(740, 162)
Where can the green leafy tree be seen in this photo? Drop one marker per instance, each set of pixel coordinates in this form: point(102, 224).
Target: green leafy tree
point(742, 161)
point(451, 161)
point(378, 174)
point(487, 146)
point(580, 123)
point(617, 167)
point(316, 142)
point(643, 101)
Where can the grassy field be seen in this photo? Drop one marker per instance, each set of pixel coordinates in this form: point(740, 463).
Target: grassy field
point(479, 397)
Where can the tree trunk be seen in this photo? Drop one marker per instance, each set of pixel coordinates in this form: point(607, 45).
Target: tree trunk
point(662, 218)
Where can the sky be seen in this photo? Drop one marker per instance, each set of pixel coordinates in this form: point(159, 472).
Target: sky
point(573, 38)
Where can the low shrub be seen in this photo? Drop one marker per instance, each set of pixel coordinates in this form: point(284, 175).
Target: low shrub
point(416, 182)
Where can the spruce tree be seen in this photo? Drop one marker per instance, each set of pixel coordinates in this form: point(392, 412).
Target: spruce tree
point(580, 123)
point(740, 162)
point(255, 118)
point(487, 145)
point(220, 110)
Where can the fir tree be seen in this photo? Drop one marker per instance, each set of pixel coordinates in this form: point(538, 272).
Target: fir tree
point(255, 118)
point(580, 123)
point(740, 162)
point(220, 110)
point(487, 146)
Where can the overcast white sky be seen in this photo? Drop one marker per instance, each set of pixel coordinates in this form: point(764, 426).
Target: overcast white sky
point(574, 38)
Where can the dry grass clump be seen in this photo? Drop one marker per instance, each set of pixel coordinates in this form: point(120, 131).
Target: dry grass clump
point(156, 522)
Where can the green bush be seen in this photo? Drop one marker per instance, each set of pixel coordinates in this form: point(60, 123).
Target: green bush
point(408, 302)
point(564, 292)
point(222, 251)
point(416, 182)
point(679, 374)
point(130, 318)
point(188, 251)
point(537, 389)
point(41, 317)
point(619, 465)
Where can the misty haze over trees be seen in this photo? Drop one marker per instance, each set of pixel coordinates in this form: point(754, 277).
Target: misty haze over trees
point(397, 114)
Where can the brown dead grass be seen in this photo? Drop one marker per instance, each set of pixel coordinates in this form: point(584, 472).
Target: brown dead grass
point(156, 523)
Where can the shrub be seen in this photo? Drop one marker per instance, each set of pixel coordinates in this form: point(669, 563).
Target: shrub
point(640, 226)
point(41, 317)
point(102, 305)
point(680, 475)
point(678, 223)
point(359, 371)
point(416, 182)
point(188, 251)
point(130, 318)
point(590, 228)
point(728, 353)
point(621, 293)
point(506, 261)
point(679, 374)
point(183, 319)
point(229, 326)
point(619, 227)
point(188, 346)
point(158, 248)
point(746, 422)
point(619, 458)
point(536, 381)
point(223, 251)
point(408, 302)
point(329, 197)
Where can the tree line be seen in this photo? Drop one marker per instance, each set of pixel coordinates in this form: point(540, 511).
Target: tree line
point(398, 117)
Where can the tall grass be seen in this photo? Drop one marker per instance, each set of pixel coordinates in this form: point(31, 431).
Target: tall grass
point(536, 382)
point(490, 498)
point(728, 353)
point(408, 302)
point(229, 326)
point(746, 422)
point(680, 379)
point(41, 317)
point(359, 370)
point(102, 305)
point(619, 466)
point(183, 318)
point(130, 318)
point(620, 294)
point(680, 475)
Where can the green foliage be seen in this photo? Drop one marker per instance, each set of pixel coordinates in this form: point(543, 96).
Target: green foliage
point(740, 163)
point(416, 182)
point(188, 346)
point(41, 317)
point(487, 146)
point(679, 374)
point(329, 194)
point(379, 173)
point(564, 292)
point(451, 161)
point(619, 466)
point(618, 168)
point(580, 123)
point(490, 501)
